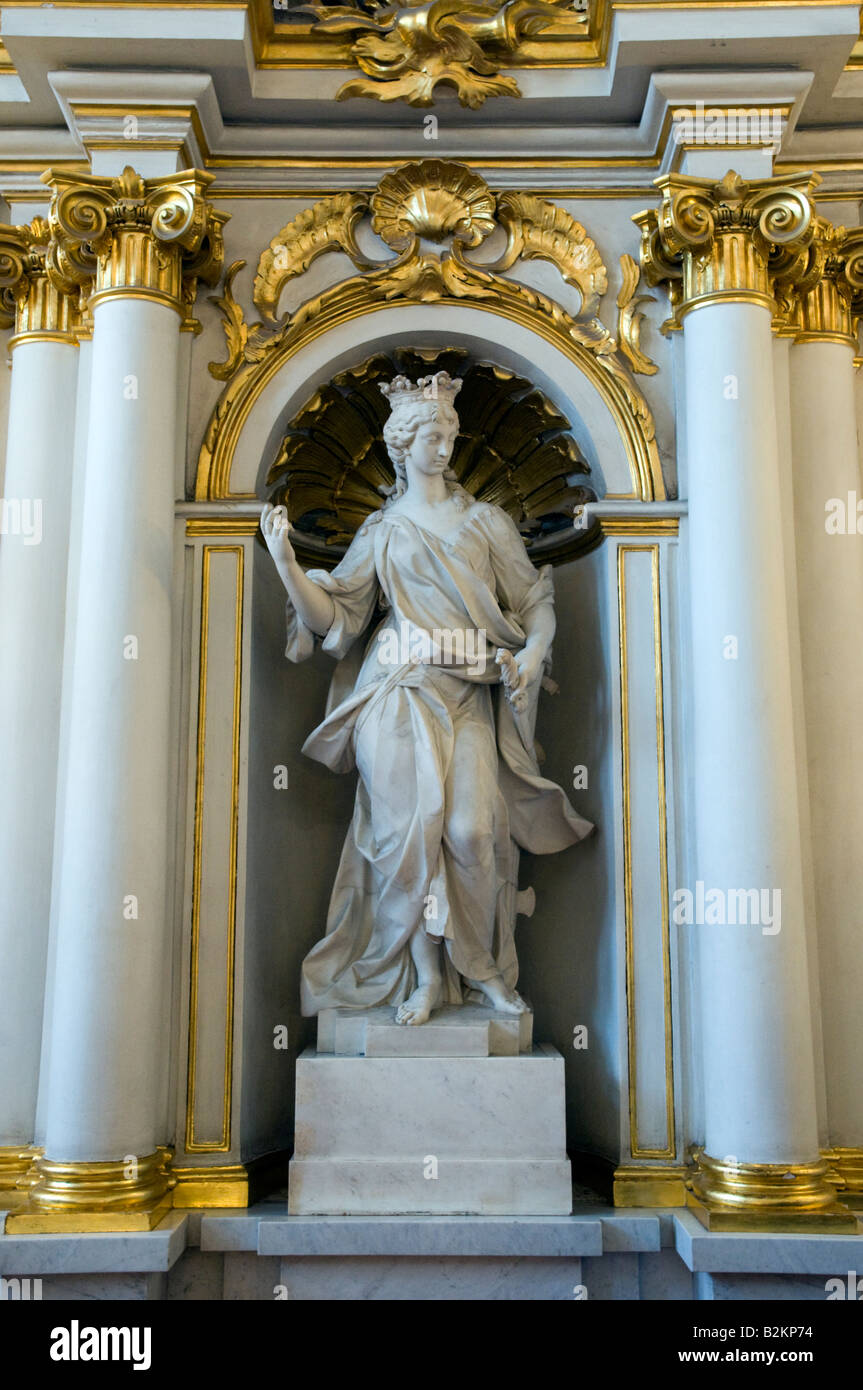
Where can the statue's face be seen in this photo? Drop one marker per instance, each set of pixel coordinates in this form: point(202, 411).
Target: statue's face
point(432, 447)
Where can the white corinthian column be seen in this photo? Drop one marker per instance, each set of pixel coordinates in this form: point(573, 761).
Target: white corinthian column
point(103, 1167)
point(760, 1164)
point(829, 530)
point(33, 559)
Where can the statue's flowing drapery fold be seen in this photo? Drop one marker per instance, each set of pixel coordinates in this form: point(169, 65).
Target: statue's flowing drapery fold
point(449, 787)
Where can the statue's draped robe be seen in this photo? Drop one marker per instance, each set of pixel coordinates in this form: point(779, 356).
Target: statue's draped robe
point(448, 779)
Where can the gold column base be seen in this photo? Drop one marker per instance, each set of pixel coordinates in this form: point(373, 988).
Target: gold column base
point(15, 1166)
point(846, 1173)
point(89, 1197)
point(637, 1185)
point(769, 1197)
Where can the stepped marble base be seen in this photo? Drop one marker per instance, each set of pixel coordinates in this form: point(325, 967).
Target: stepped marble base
point(457, 1030)
point(439, 1135)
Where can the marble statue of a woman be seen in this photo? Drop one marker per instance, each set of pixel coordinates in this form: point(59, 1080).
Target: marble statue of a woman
point(422, 911)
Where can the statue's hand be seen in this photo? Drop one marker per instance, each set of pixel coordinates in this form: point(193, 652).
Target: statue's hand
point(518, 673)
point(276, 531)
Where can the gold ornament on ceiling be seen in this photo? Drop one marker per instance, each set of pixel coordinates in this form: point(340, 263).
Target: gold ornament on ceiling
point(432, 215)
point(513, 449)
point(406, 51)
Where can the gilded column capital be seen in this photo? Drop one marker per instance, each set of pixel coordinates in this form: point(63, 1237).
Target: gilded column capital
point(140, 238)
point(29, 301)
point(729, 241)
point(826, 305)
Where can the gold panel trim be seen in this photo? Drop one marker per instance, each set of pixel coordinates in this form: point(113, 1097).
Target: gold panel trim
point(386, 163)
point(222, 526)
point(585, 192)
point(639, 525)
point(636, 1149)
point(223, 1143)
point(655, 1186)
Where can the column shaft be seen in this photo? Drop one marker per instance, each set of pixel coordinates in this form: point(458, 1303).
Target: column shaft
point(758, 1058)
point(113, 936)
point(32, 605)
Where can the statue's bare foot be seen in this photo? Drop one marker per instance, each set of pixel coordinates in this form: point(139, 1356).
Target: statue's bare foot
point(505, 1000)
point(417, 1008)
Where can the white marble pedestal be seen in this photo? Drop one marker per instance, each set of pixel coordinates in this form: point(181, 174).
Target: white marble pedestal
point(458, 1129)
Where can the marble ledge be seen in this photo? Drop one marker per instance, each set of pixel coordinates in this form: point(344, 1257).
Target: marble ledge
point(115, 1252)
point(591, 1231)
point(722, 1252)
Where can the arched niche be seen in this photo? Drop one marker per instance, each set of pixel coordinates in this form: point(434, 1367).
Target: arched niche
point(576, 952)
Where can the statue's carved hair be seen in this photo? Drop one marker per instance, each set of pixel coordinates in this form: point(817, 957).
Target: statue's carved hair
point(399, 433)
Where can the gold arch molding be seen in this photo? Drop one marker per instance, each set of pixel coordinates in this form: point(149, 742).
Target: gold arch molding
point(422, 203)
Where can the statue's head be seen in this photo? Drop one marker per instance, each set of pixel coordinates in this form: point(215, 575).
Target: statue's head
point(422, 425)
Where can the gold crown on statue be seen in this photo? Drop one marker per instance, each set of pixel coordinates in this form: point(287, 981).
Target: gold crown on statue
point(439, 387)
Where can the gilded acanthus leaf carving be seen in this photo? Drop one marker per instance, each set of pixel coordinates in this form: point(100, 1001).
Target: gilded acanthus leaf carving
point(407, 50)
point(91, 216)
point(707, 239)
point(327, 226)
point(629, 317)
point(14, 259)
point(538, 230)
point(234, 325)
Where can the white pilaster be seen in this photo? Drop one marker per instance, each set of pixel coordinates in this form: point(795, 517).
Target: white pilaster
point(830, 588)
